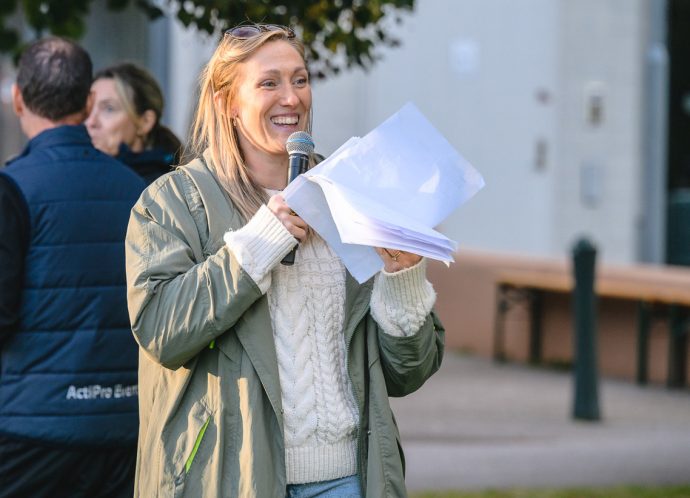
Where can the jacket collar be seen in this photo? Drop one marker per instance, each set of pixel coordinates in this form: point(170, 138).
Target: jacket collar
point(155, 157)
point(60, 135)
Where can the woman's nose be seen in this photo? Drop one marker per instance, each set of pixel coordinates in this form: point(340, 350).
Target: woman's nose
point(91, 120)
point(290, 97)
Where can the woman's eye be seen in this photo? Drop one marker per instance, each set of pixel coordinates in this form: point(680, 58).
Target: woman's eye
point(302, 81)
point(268, 83)
point(109, 108)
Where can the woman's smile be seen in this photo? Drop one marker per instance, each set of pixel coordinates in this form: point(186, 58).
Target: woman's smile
point(285, 120)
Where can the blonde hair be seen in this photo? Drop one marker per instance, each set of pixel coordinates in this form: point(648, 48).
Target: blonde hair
point(214, 131)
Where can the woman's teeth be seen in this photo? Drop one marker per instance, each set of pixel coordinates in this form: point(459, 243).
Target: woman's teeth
point(285, 120)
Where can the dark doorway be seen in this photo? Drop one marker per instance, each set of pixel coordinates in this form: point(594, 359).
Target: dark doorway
point(679, 95)
point(678, 223)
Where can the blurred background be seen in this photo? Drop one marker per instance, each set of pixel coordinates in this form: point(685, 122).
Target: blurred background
point(576, 113)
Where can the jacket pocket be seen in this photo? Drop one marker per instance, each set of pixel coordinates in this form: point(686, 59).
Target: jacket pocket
point(197, 443)
point(194, 448)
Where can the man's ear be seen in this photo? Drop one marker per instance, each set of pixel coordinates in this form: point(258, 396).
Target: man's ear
point(89, 104)
point(146, 122)
point(18, 105)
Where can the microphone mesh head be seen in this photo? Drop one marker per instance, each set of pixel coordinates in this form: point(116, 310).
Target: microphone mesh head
point(300, 142)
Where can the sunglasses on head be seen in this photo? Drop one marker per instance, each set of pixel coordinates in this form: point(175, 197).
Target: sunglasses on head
point(250, 30)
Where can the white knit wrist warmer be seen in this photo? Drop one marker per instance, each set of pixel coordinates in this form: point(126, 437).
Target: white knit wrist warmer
point(401, 301)
point(259, 245)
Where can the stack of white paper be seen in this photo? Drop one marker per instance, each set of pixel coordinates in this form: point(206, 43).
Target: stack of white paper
point(387, 189)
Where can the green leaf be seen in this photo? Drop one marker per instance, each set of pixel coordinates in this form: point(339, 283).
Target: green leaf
point(73, 28)
point(7, 7)
point(9, 39)
point(152, 11)
point(117, 5)
point(354, 28)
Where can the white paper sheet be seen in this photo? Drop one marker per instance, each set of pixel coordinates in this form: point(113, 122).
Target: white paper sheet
point(308, 200)
point(387, 189)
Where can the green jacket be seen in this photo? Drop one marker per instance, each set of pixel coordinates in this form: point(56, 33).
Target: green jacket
point(210, 410)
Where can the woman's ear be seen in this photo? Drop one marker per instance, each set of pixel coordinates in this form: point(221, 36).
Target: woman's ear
point(146, 122)
point(219, 101)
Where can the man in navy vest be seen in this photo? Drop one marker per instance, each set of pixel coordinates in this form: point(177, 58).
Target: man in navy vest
point(68, 360)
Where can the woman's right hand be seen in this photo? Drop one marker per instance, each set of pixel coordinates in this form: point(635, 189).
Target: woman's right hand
point(293, 223)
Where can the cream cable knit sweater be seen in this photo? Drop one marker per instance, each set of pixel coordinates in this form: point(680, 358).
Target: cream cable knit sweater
point(306, 302)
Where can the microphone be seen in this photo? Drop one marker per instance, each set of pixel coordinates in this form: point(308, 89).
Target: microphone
point(299, 146)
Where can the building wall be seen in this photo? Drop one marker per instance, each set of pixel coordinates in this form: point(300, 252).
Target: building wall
point(511, 85)
point(598, 184)
point(11, 138)
point(113, 37)
point(190, 51)
point(485, 74)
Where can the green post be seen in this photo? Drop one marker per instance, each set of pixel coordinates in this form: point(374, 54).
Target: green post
point(586, 405)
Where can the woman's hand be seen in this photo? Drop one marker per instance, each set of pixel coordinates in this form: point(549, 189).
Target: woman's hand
point(394, 260)
point(294, 224)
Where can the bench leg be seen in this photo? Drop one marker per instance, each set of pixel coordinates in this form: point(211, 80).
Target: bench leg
point(678, 347)
point(535, 337)
point(644, 312)
point(499, 325)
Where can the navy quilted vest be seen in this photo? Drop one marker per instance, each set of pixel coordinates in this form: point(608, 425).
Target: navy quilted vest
point(69, 375)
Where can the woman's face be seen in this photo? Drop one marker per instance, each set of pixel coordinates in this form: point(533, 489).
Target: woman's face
point(273, 99)
point(109, 124)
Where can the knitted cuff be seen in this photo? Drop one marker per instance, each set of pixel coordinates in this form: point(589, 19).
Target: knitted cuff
point(401, 301)
point(259, 245)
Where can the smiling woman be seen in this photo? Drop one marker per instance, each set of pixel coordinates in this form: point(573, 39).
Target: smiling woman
point(259, 379)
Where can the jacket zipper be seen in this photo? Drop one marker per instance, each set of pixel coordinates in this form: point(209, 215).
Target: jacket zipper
point(197, 443)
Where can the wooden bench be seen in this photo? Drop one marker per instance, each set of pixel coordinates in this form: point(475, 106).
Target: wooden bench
point(652, 287)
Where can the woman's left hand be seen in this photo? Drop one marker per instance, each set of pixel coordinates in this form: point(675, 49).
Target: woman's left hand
point(394, 260)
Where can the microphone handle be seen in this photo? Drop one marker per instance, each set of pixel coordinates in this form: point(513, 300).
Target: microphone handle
point(298, 164)
point(289, 258)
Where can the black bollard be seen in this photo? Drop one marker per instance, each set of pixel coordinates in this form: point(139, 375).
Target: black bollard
point(586, 405)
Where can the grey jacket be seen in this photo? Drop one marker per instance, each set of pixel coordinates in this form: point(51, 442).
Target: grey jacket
point(209, 394)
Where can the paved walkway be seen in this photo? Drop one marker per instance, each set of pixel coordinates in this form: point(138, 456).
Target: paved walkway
point(480, 425)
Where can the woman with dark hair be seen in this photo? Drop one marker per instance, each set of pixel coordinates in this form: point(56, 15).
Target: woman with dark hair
point(125, 120)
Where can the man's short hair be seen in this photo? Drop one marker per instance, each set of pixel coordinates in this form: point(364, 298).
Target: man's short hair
point(54, 77)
